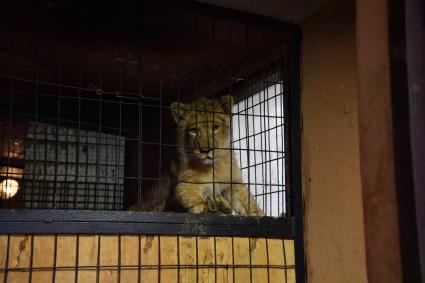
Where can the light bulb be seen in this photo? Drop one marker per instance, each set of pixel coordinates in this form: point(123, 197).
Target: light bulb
point(8, 188)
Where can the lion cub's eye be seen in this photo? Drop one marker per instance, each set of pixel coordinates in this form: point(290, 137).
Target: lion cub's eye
point(215, 128)
point(194, 131)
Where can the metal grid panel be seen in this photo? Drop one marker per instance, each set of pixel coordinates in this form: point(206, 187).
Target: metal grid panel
point(99, 136)
point(258, 134)
point(85, 121)
point(138, 258)
point(125, 94)
point(85, 167)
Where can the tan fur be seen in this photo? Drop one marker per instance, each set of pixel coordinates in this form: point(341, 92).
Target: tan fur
point(209, 180)
point(156, 198)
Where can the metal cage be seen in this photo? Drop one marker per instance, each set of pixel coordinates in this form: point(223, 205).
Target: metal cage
point(85, 116)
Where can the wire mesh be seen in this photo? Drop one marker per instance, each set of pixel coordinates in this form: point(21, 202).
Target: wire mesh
point(86, 122)
point(260, 141)
point(151, 258)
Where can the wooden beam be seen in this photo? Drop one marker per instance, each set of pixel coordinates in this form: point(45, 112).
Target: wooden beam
point(376, 143)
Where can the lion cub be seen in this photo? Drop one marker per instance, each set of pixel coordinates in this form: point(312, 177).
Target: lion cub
point(208, 175)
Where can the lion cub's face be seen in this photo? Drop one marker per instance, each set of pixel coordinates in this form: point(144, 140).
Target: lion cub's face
point(204, 127)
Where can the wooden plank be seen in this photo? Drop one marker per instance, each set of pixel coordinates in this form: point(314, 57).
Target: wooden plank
point(65, 276)
point(129, 258)
point(210, 252)
point(19, 257)
point(289, 252)
point(206, 257)
point(187, 252)
point(290, 259)
point(330, 121)
point(66, 257)
point(108, 259)
point(87, 258)
point(242, 256)
point(168, 248)
point(277, 259)
point(43, 255)
point(224, 257)
point(259, 258)
point(3, 254)
point(376, 134)
point(149, 258)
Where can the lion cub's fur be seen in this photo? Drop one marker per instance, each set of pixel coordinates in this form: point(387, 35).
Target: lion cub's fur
point(208, 175)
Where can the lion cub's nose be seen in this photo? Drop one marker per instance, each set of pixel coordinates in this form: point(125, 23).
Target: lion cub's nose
point(207, 150)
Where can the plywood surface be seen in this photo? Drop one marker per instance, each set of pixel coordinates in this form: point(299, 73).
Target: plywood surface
point(376, 143)
point(334, 230)
point(139, 258)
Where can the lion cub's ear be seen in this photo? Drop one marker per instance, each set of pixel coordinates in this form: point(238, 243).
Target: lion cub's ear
point(177, 111)
point(226, 102)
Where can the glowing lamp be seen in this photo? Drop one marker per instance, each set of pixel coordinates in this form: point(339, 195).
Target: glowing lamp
point(8, 188)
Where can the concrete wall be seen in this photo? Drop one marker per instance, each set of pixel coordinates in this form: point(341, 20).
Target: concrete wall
point(335, 245)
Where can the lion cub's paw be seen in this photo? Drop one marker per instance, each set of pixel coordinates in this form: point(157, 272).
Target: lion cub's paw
point(217, 205)
point(223, 205)
point(210, 205)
